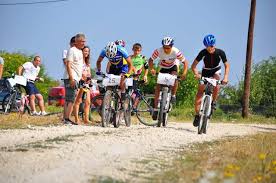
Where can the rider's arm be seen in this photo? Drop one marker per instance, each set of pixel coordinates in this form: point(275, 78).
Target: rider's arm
point(185, 68)
point(195, 71)
point(227, 68)
point(99, 61)
point(108, 67)
point(129, 63)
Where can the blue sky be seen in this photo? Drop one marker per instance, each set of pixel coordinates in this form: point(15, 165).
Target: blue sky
point(45, 29)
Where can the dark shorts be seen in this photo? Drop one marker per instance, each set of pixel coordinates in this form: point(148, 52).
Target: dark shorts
point(170, 70)
point(118, 70)
point(70, 93)
point(211, 72)
point(31, 89)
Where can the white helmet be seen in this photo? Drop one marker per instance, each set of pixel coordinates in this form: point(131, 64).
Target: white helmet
point(111, 50)
point(167, 41)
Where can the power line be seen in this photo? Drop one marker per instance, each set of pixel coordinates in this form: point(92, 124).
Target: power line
point(34, 2)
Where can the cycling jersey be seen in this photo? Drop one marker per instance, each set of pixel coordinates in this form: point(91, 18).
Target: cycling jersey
point(211, 61)
point(139, 62)
point(167, 60)
point(118, 60)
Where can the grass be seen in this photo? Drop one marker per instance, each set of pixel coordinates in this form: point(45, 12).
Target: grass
point(248, 159)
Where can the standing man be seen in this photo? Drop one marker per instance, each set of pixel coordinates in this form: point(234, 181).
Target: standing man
point(72, 75)
point(1, 66)
point(212, 57)
point(30, 71)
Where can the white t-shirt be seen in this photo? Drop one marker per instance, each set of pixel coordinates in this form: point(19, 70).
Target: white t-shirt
point(168, 60)
point(30, 71)
point(75, 57)
point(64, 54)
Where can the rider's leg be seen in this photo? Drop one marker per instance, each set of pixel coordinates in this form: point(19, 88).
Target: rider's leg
point(197, 104)
point(123, 87)
point(174, 88)
point(156, 96)
point(198, 98)
point(216, 89)
point(77, 105)
point(87, 107)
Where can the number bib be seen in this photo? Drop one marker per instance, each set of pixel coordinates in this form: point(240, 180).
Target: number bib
point(111, 80)
point(166, 79)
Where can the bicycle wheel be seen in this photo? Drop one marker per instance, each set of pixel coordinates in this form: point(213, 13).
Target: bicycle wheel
point(106, 108)
point(204, 118)
point(162, 110)
point(7, 103)
point(117, 112)
point(127, 111)
point(145, 110)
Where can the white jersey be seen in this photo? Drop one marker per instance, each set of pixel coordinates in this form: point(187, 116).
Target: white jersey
point(30, 71)
point(75, 57)
point(168, 60)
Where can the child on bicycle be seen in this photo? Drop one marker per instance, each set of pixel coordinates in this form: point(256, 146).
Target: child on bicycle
point(211, 57)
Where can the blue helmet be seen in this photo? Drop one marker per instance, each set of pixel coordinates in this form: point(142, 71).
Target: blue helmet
point(209, 40)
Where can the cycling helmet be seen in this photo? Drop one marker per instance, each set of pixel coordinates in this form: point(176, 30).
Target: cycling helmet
point(111, 50)
point(209, 40)
point(120, 42)
point(167, 41)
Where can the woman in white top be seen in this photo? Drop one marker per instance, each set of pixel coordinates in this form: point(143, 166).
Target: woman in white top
point(86, 77)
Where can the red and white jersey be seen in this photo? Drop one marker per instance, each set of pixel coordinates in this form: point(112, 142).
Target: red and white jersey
point(168, 60)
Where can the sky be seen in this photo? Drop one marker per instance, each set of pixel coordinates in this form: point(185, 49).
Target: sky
point(45, 29)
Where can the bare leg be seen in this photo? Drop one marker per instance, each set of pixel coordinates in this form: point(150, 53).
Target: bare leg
point(77, 105)
point(32, 102)
point(87, 107)
point(216, 89)
point(198, 98)
point(156, 96)
point(40, 102)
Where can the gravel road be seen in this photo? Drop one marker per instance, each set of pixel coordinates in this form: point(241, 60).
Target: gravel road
point(84, 153)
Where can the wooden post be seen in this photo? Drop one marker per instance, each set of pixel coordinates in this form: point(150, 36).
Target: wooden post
point(247, 77)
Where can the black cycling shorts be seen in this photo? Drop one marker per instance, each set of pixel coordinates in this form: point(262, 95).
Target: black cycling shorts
point(170, 70)
point(210, 72)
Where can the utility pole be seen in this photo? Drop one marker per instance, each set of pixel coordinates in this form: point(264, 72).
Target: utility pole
point(247, 77)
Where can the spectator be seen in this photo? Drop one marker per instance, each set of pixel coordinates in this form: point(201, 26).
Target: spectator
point(85, 80)
point(64, 54)
point(72, 75)
point(30, 71)
point(1, 66)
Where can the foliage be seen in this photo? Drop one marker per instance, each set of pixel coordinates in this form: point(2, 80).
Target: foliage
point(14, 60)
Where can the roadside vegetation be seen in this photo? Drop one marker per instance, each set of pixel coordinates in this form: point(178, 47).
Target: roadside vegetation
point(235, 159)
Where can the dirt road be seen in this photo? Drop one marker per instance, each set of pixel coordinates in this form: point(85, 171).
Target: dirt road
point(81, 153)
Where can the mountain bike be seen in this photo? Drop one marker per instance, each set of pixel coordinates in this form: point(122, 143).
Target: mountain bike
point(145, 105)
point(166, 82)
point(113, 108)
point(206, 110)
point(14, 101)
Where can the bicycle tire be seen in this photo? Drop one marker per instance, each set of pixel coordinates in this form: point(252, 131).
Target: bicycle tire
point(106, 108)
point(145, 110)
point(163, 102)
point(204, 116)
point(7, 104)
point(117, 112)
point(127, 111)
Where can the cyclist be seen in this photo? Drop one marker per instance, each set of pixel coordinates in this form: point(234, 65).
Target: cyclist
point(168, 54)
point(211, 57)
point(139, 63)
point(121, 63)
point(119, 42)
